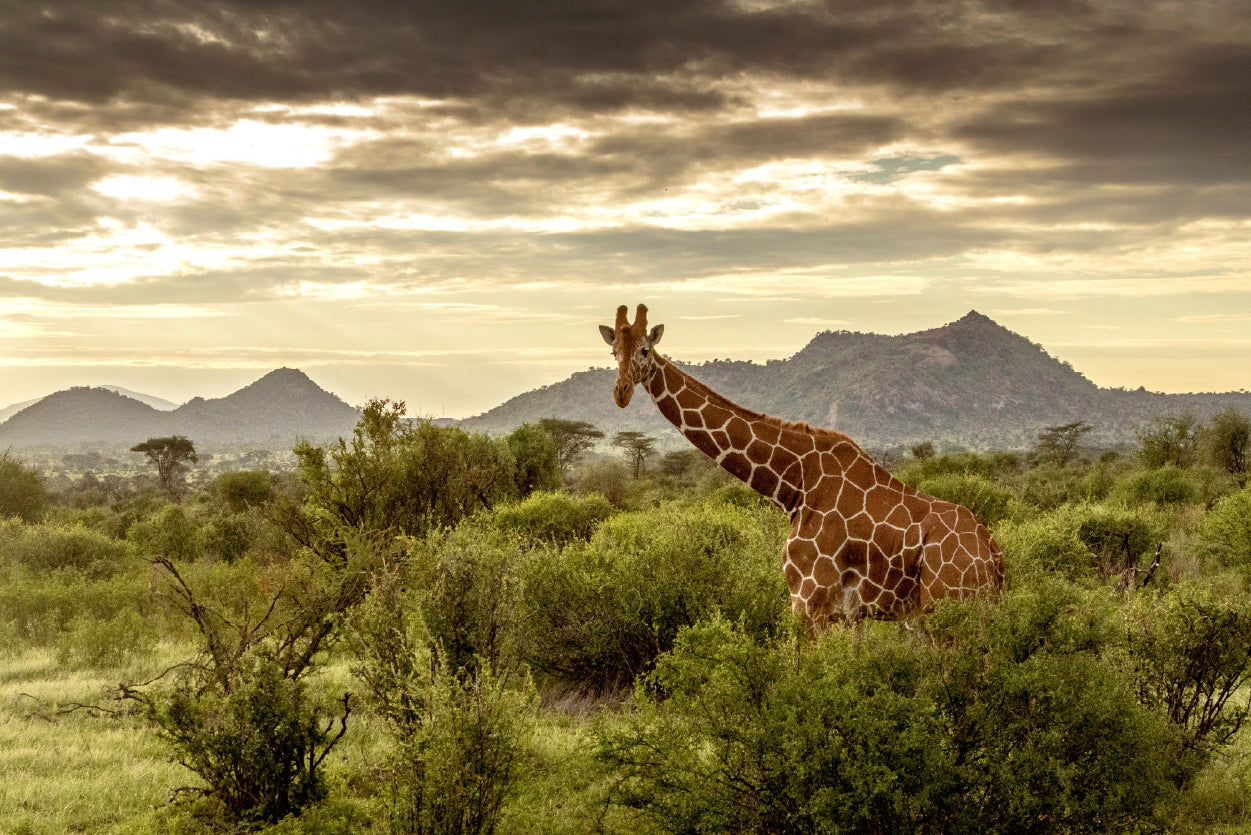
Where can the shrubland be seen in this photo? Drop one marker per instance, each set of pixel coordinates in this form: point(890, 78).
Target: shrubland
point(420, 629)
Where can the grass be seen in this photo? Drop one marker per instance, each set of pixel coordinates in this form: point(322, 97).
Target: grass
point(74, 772)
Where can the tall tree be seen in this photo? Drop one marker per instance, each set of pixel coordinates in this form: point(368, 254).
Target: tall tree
point(573, 438)
point(22, 491)
point(1170, 439)
point(637, 447)
point(535, 459)
point(1227, 439)
point(1058, 444)
point(170, 456)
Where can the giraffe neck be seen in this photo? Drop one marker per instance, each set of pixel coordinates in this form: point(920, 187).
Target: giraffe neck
point(745, 443)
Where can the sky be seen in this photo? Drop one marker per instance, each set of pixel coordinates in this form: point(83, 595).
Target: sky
point(439, 201)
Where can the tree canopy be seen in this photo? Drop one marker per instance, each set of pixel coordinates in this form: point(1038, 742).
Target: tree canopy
point(170, 456)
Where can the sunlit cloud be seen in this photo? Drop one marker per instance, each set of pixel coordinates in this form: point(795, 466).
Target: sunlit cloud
point(130, 187)
point(1068, 289)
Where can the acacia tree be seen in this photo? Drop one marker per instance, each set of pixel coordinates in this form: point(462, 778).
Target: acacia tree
point(637, 447)
point(1058, 444)
point(170, 456)
point(573, 438)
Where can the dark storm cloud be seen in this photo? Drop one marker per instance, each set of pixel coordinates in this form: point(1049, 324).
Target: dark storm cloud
point(587, 55)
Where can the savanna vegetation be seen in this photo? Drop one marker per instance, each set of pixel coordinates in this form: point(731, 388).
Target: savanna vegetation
point(420, 629)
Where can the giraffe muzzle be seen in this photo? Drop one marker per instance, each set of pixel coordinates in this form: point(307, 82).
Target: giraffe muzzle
point(622, 392)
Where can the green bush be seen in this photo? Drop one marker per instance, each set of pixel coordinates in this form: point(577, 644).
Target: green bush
point(598, 614)
point(259, 747)
point(38, 606)
point(1171, 485)
point(243, 489)
point(610, 479)
point(468, 600)
point(52, 547)
point(1005, 719)
point(1048, 544)
point(1225, 531)
point(170, 532)
point(989, 501)
point(22, 491)
point(460, 734)
point(1049, 487)
point(1119, 538)
point(554, 517)
point(105, 642)
point(1192, 656)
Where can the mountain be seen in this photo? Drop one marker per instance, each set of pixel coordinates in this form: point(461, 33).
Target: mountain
point(971, 383)
point(284, 404)
point(279, 408)
point(158, 403)
point(82, 413)
point(9, 411)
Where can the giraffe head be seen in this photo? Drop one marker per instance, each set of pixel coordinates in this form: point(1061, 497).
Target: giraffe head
point(632, 348)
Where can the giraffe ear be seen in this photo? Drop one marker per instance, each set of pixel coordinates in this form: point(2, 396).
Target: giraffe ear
point(656, 333)
point(607, 333)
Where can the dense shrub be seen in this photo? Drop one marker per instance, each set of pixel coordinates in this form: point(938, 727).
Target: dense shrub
point(1192, 656)
point(243, 489)
point(36, 606)
point(258, 746)
point(598, 614)
point(991, 465)
point(1171, 485)
point(1225, 531)
point(1048, 487)
point(1043, 545)
point(468, 600)
point(89, 641)
point(52, 547)
point(554, 517)
point(1119, 538)
point(22, 491)
point(395, 477)
point(989, 501)
point(460, 734)
point(610, 479)
point(1014, 720)
point(170, 532)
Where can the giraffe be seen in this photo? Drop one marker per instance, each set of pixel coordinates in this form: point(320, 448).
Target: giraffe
point(862, 543)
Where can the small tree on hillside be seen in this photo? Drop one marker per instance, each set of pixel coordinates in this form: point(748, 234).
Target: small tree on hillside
point(170, 456)
point(573, 438)
point(637, 447)
point(1058, 444)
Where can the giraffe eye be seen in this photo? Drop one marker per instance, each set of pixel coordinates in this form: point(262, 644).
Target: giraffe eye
point(644, 352)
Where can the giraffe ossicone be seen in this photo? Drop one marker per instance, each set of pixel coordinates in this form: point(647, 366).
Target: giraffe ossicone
point(862, 543)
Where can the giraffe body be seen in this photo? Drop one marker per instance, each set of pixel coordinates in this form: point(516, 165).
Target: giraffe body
point(862, 543)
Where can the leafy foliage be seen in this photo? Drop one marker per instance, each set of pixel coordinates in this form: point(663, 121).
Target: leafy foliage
point(599, 614)
point(396, 477)
point(1058, 444)
point(170, 455)
point(259, 747)
point(1011, 722)
point(22, 491)
point(460, 730)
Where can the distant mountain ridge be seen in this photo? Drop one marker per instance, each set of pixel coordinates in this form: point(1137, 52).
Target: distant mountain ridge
point(280, 407)
point(970, 383)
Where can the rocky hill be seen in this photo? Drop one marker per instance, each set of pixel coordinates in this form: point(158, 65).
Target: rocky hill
point(971, 383)
point(279, 408)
